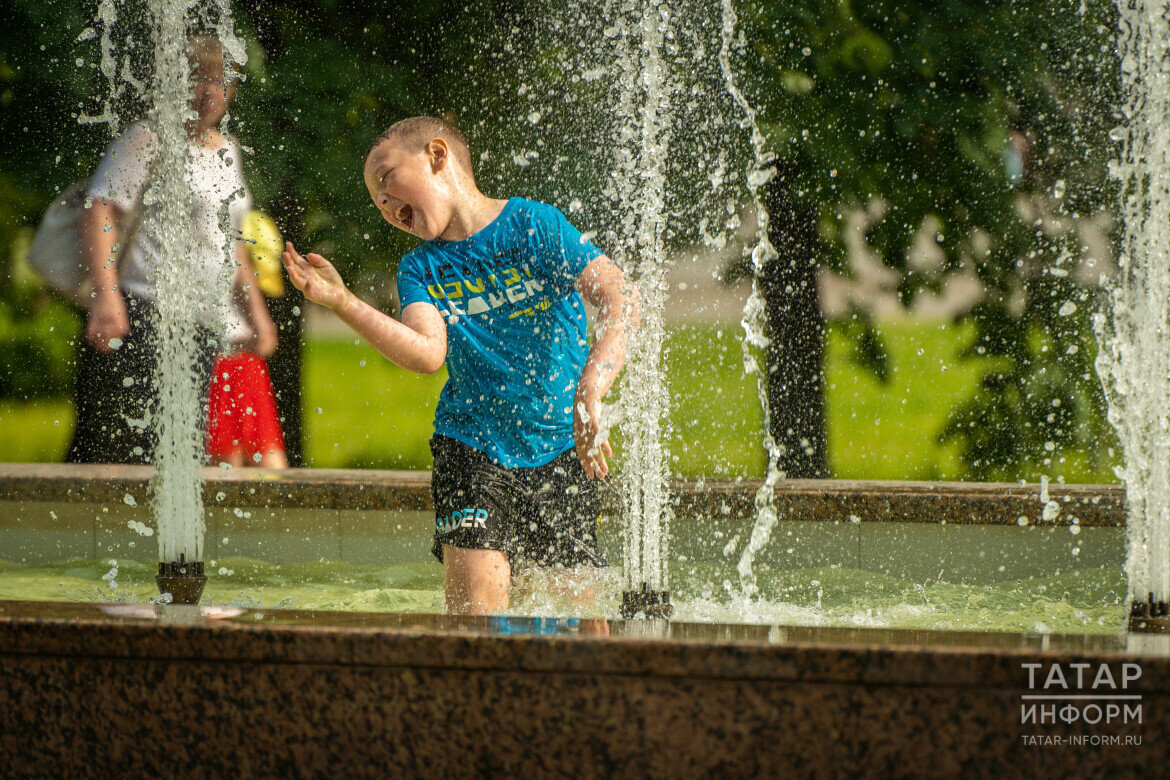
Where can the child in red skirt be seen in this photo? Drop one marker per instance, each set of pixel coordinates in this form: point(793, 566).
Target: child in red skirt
point(243, 426)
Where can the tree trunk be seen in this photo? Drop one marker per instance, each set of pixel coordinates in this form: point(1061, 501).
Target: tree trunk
point(796, 327)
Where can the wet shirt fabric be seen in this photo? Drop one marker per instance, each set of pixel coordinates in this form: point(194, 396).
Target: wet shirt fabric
point(516, 330)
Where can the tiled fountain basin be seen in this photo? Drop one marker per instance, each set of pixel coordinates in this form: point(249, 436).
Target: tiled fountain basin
point(137, 688)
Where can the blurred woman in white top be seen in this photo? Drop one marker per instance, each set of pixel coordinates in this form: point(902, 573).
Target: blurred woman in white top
point(114, 385)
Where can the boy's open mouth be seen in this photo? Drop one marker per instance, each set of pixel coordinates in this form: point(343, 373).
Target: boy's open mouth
point(405, 215)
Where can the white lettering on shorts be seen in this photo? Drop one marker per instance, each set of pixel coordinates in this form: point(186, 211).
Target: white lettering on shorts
point(462, 518)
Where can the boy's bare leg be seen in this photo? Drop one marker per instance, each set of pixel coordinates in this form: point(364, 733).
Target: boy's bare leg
point(476, 582)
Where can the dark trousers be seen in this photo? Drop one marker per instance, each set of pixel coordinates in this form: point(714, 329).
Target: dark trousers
point(114, 392)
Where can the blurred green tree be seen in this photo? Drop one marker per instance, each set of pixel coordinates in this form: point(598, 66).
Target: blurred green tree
point(42, 88)
point(957, 111)
point(989, 118)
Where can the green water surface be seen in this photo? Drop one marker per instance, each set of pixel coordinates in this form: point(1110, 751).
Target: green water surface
point(1084, 601)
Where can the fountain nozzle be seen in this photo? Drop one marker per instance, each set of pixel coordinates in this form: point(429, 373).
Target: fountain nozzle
point(183, 579)
point(646, 603)
point(1149, 616)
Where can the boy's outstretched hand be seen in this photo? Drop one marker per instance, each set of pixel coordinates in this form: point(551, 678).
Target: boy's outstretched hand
point(316, 277)
point(592, 450)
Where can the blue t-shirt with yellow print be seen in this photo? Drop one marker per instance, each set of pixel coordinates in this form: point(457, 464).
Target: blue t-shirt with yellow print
point(516, 330)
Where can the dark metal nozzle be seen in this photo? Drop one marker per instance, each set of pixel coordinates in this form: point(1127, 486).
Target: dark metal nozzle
point(1149, 616)
point(183, 579)
point(646, 603)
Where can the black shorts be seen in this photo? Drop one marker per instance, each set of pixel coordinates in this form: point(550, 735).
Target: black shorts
point(545, 515)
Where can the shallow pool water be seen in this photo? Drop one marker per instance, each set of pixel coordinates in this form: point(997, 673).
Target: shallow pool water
point(1083, 601)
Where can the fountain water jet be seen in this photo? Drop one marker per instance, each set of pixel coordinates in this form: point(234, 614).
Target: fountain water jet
point(1134, 361)
point(645, 92)
point(177, 416)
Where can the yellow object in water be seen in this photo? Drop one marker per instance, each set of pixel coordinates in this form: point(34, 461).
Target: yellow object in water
point(265, 246)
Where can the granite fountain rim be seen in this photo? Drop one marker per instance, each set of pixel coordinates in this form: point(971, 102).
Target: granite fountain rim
point(713, 651)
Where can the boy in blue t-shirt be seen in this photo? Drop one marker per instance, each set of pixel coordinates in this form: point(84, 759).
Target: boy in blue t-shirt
point(495, 290)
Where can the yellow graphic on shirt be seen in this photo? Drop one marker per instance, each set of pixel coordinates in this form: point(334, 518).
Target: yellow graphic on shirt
point(531, 310)
point(511, 285)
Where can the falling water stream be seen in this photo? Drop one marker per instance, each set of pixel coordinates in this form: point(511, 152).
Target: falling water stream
point(176, 487)
point(1134, 361)
point(760, 171)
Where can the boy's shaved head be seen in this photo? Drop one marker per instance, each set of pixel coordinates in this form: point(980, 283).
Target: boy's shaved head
point(417, 131)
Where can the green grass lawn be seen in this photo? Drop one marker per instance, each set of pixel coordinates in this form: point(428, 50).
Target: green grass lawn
point(890, 430)
point(35, 431)
point(363, 412)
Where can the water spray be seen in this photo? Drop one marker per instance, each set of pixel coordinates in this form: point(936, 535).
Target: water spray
point(646, 88)
point(1134, 360)
point(643, 602)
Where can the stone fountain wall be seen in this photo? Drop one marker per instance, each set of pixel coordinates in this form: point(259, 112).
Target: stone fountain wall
point(86, 690)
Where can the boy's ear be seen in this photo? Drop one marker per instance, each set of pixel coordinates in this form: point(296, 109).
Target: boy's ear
point(439, 153)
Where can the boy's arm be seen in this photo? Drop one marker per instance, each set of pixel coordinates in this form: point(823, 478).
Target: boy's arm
point(604, 285)
point(418, 343)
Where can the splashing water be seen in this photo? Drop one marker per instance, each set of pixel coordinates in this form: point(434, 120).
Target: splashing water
point(638, 188)
point(176, 487)
point(688, 121)
point(107, 17)
point(1134, 361)
point(177, 415)
point(760, 171)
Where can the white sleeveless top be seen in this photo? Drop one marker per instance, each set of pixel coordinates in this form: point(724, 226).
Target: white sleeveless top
point(216, 178)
